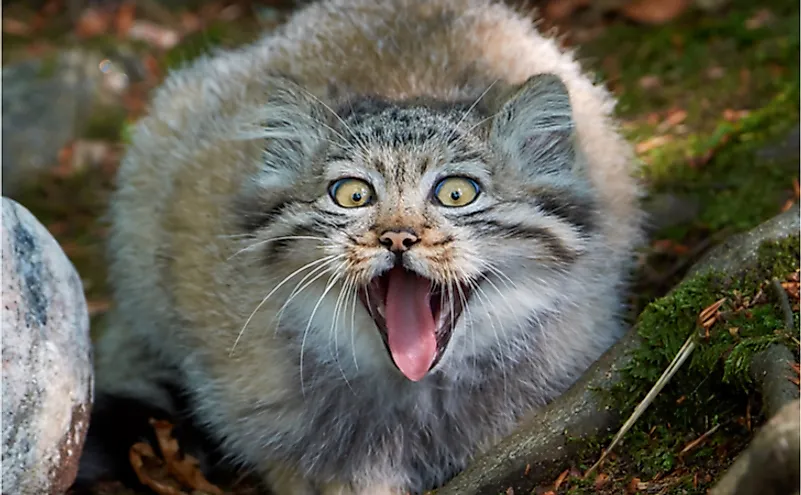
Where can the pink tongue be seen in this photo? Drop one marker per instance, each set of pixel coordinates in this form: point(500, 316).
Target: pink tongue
point(410, 324)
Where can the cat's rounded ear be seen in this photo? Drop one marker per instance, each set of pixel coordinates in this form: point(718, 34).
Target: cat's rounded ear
point(533, 125)
point(292, 122)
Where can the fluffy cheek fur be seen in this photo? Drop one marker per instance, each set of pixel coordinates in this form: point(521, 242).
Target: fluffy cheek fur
point(512, 278)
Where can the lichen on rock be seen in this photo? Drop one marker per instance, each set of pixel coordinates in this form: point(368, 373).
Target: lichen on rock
point(47, 359)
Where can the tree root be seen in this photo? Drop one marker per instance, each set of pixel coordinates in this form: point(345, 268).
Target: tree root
point(770, 465)
point(770, 370)
point(545, 443)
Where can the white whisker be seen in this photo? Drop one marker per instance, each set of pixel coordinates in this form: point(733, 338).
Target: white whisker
point(331, 282)
point(283, 238)
point(273, 291)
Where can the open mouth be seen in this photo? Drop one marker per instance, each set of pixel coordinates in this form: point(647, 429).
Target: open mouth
point(414, 316)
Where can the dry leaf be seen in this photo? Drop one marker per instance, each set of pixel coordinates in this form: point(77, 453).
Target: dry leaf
point(707, 156)
point(510, 491)
point(734, 115)
point(190, 22)
point(231, 13)
point(633, 486)
point(97, 307)
point(125, 17)
point(560, 480)
point(528, 470)
point(698, 441)
point(654, 11)
point(16, 27)
point(185, 469)
point(787, 205)
point(92, 23)
point(734, 331)
point(710, 315)
point(601, 480)
point(652, 144)
point(674, 118)
point(748, 415)
point(153, 34)
point(52, 7)
point(650, 82)
point(151, 470)
point(715, 72)
point(557, 10)
point(759, 19)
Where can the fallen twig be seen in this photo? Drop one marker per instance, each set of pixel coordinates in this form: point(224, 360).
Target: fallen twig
point(698, 441)
point(681, 357)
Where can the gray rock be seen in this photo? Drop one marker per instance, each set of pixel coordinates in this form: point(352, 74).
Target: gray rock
point(786, 149)
point(47, 359)
point(742, 249)
point(48, 102)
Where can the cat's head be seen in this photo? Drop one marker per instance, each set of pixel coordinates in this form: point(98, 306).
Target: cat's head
point(433, 220)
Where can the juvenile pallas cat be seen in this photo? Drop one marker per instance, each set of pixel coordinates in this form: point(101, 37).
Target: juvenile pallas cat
point(368, 244)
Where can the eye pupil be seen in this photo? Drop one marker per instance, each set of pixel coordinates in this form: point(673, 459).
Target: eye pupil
point(456, 191)
point(356, 197)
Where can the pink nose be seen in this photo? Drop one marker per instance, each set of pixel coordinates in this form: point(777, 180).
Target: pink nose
point(398, 240)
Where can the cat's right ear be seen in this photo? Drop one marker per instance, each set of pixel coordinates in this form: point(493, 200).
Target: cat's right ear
point(533, 125)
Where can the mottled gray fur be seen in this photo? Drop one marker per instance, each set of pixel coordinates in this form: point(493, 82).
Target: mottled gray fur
point(231, 260)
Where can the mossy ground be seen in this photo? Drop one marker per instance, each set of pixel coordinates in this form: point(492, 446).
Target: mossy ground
point(713, 390)
point(711, 67)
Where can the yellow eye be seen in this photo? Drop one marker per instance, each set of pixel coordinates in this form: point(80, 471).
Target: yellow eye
point(456, 191)
point(351, 193)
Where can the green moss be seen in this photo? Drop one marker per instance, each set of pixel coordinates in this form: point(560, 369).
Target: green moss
point(49, 65)
point(106, 123)
point(714, 386)
point(738, 188)
point(704, 65)
point(681, 53)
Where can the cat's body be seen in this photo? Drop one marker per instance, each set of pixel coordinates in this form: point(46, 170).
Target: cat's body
point(243, 151)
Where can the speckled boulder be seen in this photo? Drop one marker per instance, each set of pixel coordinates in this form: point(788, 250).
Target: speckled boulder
point(47, 359)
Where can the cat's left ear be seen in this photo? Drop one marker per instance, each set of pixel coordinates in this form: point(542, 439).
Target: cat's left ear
point(534, 125)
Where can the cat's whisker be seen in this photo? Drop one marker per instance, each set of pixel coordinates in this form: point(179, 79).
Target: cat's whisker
point(317, 273)
point(470, 109)
point(361, 144)
point(484, 301)
point(332, 280)
point(508, 282)
point(344, 291)
point(468, 316)
point(354, 297)
point(274, 290)
point(323, 240)
point(503, 297)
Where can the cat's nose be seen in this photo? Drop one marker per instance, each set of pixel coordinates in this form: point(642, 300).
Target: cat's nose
point(398, 240)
